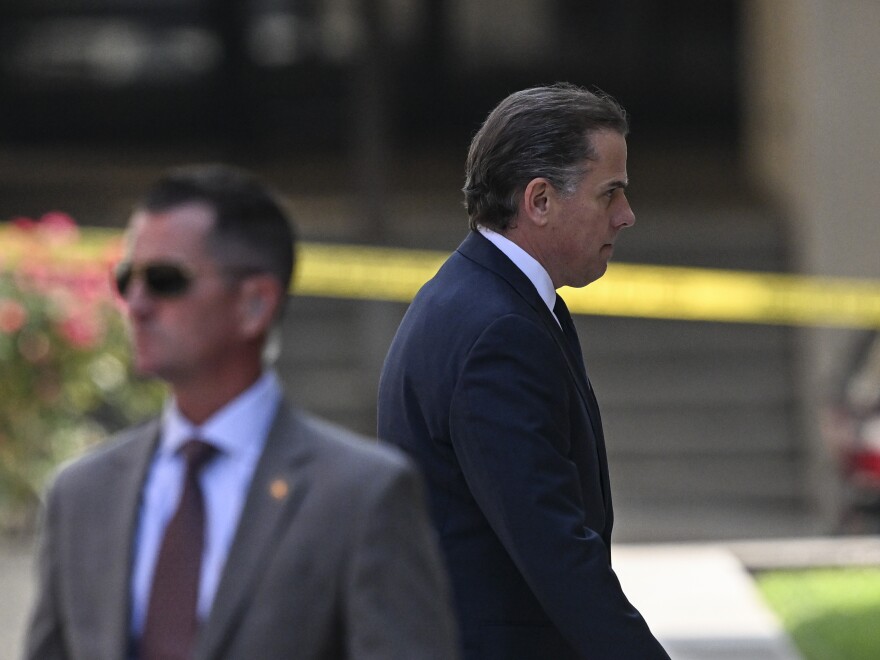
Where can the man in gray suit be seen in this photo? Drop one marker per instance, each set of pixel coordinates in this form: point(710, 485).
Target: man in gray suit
point(234, 526)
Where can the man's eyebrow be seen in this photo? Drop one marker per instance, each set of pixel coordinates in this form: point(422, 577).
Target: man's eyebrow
point(617, 183)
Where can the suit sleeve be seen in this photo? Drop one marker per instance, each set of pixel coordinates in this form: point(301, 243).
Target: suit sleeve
point(398, 602)
point(44, 639)
point(510, 424)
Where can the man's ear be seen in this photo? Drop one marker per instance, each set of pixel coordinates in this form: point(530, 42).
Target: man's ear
point(258, 304)
point(536, 201)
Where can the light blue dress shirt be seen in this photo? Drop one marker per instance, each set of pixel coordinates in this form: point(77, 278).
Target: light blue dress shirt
point(238, 431)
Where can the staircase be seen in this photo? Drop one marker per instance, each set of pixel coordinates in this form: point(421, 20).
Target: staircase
point(700, 418)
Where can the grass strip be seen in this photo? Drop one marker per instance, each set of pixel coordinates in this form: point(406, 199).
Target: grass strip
point(830, 614)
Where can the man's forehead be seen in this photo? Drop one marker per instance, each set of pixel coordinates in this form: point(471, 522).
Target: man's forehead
point(179, 229)
point(195, 213)
point(609, 155)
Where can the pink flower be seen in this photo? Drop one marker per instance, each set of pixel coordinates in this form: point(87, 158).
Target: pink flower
point(58, 220)
point(81, 331)
point(13, 316)
point(58, 227)
point(23, 223)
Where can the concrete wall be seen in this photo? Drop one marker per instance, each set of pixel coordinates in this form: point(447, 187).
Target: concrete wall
point(812, 93)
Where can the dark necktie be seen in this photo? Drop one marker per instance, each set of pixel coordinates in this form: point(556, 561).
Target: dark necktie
point(172, 621)
point(560, 309)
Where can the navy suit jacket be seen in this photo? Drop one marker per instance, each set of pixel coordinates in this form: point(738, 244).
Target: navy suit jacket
point(481, 387)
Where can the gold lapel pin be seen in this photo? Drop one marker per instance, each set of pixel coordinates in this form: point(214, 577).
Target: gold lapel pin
point(278, 489)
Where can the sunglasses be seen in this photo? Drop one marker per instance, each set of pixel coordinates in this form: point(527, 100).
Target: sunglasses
point(162, 280)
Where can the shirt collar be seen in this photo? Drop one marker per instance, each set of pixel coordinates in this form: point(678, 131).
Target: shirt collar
point(530, 267)
point(240, 426)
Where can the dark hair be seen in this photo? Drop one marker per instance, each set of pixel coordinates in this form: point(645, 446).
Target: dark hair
point(251, 230)
point(537, 132)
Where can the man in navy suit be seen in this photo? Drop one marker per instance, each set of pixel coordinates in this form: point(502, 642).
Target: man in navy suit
point(484, 385)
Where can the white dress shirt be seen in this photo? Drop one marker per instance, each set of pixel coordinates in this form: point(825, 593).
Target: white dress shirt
point(238, 431)
point(530, 267)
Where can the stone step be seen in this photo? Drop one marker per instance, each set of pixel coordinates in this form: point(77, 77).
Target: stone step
point(763, 479)
point(620, 336)
point(690, 433)
point(691, 381)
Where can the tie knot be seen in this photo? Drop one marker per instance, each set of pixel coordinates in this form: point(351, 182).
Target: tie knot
point(197, 453)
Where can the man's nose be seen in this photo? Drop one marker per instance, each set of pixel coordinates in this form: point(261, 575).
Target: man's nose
point(624, 217)
point(137, 298)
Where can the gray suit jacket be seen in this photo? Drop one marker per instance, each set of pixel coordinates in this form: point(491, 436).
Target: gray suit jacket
point(334, 556)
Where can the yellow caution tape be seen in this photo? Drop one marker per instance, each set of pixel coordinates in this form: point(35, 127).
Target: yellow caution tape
point(662, 292)
point(731, 296)
point(371, 273)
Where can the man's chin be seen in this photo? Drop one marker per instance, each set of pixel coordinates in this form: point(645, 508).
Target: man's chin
point(598, 273)
point(589, 278)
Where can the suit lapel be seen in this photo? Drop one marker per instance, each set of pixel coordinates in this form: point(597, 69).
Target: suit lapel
point(121, 493)
point(477, 248)
point(277, 489)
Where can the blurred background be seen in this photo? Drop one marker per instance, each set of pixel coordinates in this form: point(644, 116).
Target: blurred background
point(753, 147)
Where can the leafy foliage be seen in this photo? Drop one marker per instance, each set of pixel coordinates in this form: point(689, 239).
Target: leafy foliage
point(65, 372)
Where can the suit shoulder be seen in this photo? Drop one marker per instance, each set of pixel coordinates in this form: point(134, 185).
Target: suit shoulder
point(87, 466)
point(346, 446)
point(475, 300)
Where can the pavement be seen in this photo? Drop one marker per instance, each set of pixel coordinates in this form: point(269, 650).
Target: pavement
point(16, 587)
point(698, 598)
point(701, 603)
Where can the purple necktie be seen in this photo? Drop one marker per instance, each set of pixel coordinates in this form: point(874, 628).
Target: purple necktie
point(172, 621)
